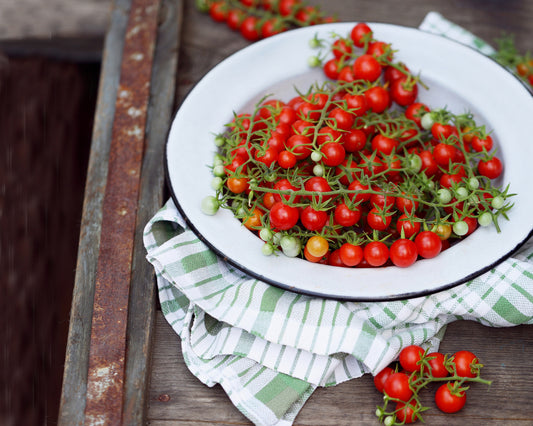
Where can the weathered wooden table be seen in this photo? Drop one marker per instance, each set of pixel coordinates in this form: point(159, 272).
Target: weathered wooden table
point(127, 367)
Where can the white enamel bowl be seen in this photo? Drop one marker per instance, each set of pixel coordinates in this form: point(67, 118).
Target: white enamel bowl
point(459, 78)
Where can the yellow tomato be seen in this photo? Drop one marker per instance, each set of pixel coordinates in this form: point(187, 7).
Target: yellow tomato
point(317, 246)
point(443, 231)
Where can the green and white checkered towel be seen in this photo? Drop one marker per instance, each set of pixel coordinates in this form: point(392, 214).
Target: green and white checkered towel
point(270, 348)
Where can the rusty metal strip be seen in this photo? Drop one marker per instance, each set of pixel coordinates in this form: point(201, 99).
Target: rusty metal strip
point(107, 356)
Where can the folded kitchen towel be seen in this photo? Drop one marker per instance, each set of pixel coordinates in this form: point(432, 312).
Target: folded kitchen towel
point(270, 348)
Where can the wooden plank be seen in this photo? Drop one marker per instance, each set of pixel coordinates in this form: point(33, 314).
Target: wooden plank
point(142, 305)
point(142, 296)
point(486, 19)
point(107, 350)
point(72, 404)
point(178, 397)
point(60, 18)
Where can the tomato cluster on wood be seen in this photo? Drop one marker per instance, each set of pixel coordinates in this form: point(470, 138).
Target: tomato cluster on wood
point(257, 19)
point(356, 172)
point(416, 369)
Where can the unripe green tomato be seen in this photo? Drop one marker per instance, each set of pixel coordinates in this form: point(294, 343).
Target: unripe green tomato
point(485, 219)
point(461, 193)
point(219, 171)
point(313, 61)
point(265, 234)
point(444, 195)
point(267, 249)
point(210, 205)
point(218, 160)
point(473, 183)
point(414, 163)
point(427, 121)
point(318, 170)
point(460, 228)
point(290, 246)
point(217, 183)
point(316, 156)
point(497, 202)
point(219, 140)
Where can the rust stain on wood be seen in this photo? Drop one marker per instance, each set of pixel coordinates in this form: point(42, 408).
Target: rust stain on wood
point(105, 382)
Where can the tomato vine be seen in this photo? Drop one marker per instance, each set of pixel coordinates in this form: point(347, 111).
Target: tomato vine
point(509, 56)
point(416, 370)
point(256, 19)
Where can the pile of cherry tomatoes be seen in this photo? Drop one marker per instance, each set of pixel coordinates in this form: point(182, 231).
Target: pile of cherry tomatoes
point(356, 172)
point(256, 19)
point(417, 369)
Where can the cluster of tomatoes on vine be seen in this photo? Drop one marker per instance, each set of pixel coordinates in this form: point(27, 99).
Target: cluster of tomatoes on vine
point(256, 19)
point(417, 369)
point(356, 172)
point(508, 55)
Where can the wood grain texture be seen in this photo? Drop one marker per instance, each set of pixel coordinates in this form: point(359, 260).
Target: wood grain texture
point(57, 18)
point(105, 400)
point(176, 397)
point(142, 304)
point(72, 404)
point(142, 297)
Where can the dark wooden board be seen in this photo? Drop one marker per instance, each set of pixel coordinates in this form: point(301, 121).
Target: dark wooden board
point(46, 113)
point(175, 396)
point(179, 398)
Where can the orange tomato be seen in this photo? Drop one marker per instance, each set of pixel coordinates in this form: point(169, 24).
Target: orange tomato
point(269, 200)
point(254, 221)
point(237, 185)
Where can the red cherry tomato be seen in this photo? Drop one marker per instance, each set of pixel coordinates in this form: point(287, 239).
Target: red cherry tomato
point(333, 153)
point(376, 253)
point(250, 28)
point(466, 363)
point(491, 168)
point(428, 244)
point(283, 217)
point(397, 386)
point(313, 220)
point(410, 357)
point(350, 254)
point(381, 378)
point(406, 413)
point(360, 33)
point(367, 67)
point(449, 401)
point(436, 365)
point(403, 93)
point(377, 99)
point(346, 216)
point(403, 252)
